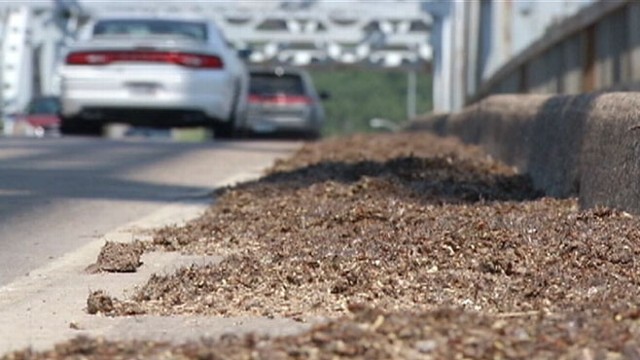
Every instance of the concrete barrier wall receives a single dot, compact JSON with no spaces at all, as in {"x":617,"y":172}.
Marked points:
{"x":571,"y":136}
{"x":572,"y":145}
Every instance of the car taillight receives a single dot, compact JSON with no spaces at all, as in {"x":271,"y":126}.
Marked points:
{"x":280,"y":99}
{"x":200,"y":61}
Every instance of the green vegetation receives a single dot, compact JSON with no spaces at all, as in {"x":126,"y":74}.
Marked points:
{"x":190,"y":134}
{"x":359,"y":95}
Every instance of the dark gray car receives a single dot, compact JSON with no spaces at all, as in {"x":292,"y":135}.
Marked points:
{"x":284,"y":100}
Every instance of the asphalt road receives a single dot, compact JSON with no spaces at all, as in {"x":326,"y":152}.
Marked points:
{"x":56,"y":194}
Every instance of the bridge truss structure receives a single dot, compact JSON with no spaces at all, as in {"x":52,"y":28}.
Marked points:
{"x":376,"y":35}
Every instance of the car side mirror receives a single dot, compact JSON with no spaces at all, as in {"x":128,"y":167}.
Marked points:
{"x":324,"y":95}
{"x":244,"y":53}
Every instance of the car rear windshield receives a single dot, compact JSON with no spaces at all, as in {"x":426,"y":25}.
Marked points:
{"x":146,"y":27}
{"x":270,"y":84}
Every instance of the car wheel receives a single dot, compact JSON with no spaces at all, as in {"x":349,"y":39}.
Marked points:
{"x":312,"y":135}
{"x":227,"y":129}
{"x":224,"y":130}
{"x":79,"y":126}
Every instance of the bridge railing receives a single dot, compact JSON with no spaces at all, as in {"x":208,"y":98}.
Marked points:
{"x":597,"y":49}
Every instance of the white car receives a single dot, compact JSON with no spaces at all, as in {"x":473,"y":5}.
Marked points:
{"x":153,"y":71}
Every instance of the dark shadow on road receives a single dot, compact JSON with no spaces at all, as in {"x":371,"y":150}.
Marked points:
{"x":278,"y":136}
{"x":34,"y":172}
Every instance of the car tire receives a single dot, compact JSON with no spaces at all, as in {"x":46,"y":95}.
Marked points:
{"x":79,"y":126}
{"x":224,"y":130}
{"x":228,"y":129}
{"x":312,"y":135}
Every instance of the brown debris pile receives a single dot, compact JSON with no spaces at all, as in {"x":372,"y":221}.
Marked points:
{"x":373,"y":334}
{"x":432,"y":227}
{"x":466,"y":260}
{"x":99,"y":302}
{"x":498,"y":257}
{"x":118,"y":257}
{"x":312,"y":239}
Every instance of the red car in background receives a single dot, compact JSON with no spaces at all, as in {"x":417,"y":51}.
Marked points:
{"x":40,"y":118}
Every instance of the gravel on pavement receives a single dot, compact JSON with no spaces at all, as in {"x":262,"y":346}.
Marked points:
{"x":410,"y":247}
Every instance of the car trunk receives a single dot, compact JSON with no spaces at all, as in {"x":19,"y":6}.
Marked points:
{"x":273,"y":95}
